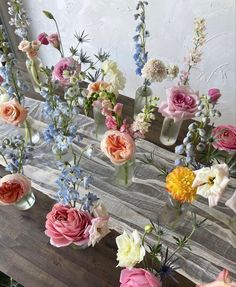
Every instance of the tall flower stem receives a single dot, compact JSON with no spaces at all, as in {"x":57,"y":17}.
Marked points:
{"x":61,"y":50}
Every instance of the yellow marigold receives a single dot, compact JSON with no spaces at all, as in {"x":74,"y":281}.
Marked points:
{"x":179,"y":184}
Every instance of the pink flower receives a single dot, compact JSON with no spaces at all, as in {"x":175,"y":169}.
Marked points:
{"x":214,"y":94}
{"x":1,"y":80}
{"x":118,"y":109}
{"x":181,"y":103}
{"x":98,"y":230}
{"x":13,"y":187}
{"x":225,"y":137}
{"x":111,"y":123}
{"x":54,"y":40}
{"x":223,"y":280}
{"x":13,"y":113}
{"x":138,"y":277}
{"x":106,"y":108}
{"x":118,"y":147}
{"x":43,"y":38}
{"x":65,"y":68}
{"x":66,"y":225}
{"x":231,"y":203}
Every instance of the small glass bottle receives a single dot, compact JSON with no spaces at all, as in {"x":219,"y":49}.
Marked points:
{"x":64,"y":155}
{"x":26,"y":202}
{"x":124,"y":173}
{"x":100,"y":125}
{"x":141,"y":98}
{"x":33,"y":66}
{"x":170,"y":131}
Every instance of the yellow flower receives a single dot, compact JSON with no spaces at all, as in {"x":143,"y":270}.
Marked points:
{"x":130,"y":249}
{"x":179,"y":184}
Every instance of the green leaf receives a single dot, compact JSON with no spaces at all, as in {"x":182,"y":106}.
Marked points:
{"x":48,"y":14}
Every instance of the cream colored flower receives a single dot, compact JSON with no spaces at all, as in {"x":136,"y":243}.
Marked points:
{"x":4,"y":97}
{"x":231,"y":203}
{"x":99,"y":210}
{"x":109,"y":66}
{"x":24,"y":46}
{"x":154,"y":71}
{"x":130,"y":249}
{"x":211,"y":182}
{"x":172,"y":71}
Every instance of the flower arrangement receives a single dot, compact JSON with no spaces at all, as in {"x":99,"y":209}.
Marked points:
{"x":77,"y":219}
{"x":155,"y":262}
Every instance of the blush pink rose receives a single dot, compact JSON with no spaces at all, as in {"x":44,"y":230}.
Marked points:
{"x":138,"y":277}
{"x":225,"y":137}
{"x":214,"y":94}
{"x":118,"y":147}
{"x":223,"y":280}
{"x":68,"y":66}
{"x":181,"y":103}
{"x":13,"y":113}
{"x":43,"y":38}
{"x":66,"y":225}
{"x":54,"y":40}
{"x":13,"y":187}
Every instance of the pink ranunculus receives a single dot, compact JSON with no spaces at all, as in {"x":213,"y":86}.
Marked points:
{"x":118,"y":147}
{"x":138,"y":277}
{"x":66,"y":225}
{"x":43,"y":38}
{"x":111,"y":123}
{"x":181,"y":103}
{"x":13,"y":113}
{"x":214,"y":94}
{"x":225,"y":137}
{"x":66,"y":66}
{"x":13,"y":187}
{"x":223,"y":280}
{"x":1,"y":79}
{"x":118,"y":109}
{"x":54,"y":40}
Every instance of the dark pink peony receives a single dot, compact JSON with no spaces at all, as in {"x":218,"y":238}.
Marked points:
{"x":43,"y":38}
{"x":225,"y":137}
{"x":214,"y":94}
{"x":181,"y":103}
{"x":66,"y":225}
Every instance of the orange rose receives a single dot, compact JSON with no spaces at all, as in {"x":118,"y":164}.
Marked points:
{"x":118,"y":147}
{"x":12,"y":112}
{"x":97,"y":87}
{"x":13,"y":187}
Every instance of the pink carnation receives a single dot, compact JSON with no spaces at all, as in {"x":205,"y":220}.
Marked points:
{"x":181,"y":103}
{"x":225,"y":137}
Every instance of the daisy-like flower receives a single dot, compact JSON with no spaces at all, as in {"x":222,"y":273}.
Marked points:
{"x":154,"y":71}
{"x":211,"y":182}
{"x":179,"y":184}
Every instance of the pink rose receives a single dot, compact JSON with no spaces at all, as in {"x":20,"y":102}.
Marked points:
{"x":111,"y":123}
{"x":223,"y":280}
{"x":138,"y":277}
{"x":181,"y":103}
{"x":214,"y":94}
{"x":54,"y":40}
{"x":64,"y":69}
{"x":1,"y":80}
{"x":66,"y":225}
{"x":13,"y":187}
{"x":43,"y":38}
{"x":13,"y":113}
{"x":225,"y":137}
{"x":118,"y":147}
{"x":118,"y":109}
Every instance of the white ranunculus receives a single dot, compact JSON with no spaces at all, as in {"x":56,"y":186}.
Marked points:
{"x":211,"y":182}
{"x":130,"y":249}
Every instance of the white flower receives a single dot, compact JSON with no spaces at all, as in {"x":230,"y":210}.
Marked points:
{"x":211,"y":182}
{"x":130,"y":249}
{"x":154,"y":71}
{"x":109,"y":66}
{"x":231,"y":203}
{"x":4,"y":97}
{"x":98,"y":230}
{"x":172,"y":71}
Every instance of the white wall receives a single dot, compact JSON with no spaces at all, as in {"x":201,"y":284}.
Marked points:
{"x":110,"y":25}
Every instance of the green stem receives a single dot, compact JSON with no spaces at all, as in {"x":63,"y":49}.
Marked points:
{"x":4,"y":158}
{"x":61,"y":50}
{"x":126,"y":167}
{"x":15,"y":86}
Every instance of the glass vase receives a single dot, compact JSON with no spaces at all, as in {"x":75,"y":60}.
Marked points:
{"x":173,"y":213}
{"x":64,"y":155}
{"x":141,"y":98}
{"x":100,"y":125}
{"x":124,"y":173}
{"x":36,"y":76}
{"x":170,"y":131}
{"x":26,"y":202}
{"x":32,"y":135}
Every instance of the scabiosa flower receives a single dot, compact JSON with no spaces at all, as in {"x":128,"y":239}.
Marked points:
{"x":154,"y":71}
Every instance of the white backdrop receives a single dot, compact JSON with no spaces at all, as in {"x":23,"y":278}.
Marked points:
{"x":111,"y":26}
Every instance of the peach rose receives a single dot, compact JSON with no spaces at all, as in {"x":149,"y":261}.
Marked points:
{"x":13,"y":187}
{"x":97,"y":87}
{"x":24,"y":46}
{"x":118,"y":147}
{"x":13,"y":113}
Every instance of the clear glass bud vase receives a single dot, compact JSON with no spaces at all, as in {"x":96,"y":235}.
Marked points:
{"x":124,"y":173}
{"x":64,"y":155}
{"x":33,"y":66}
{"x":141,"y":98}
{"x":170,"y":131}
{"x":26,"y":202}
{"x":32,"y":135}
{"x":100,"y":125}
{"x":173,"y":213}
